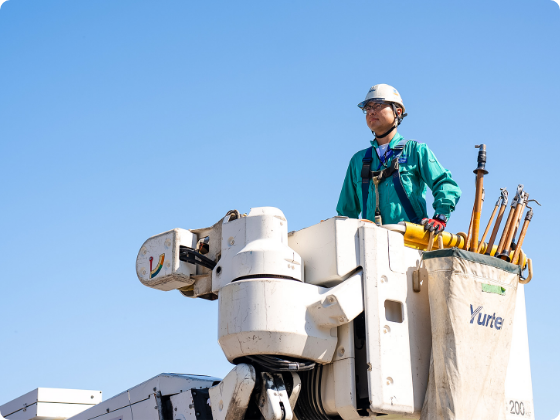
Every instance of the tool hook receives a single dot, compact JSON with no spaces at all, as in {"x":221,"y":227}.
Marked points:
{"x":529,"y":214}
{"x":503,"y":199}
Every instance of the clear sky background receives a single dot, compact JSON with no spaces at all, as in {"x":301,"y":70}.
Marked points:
{"x":121,"y":119}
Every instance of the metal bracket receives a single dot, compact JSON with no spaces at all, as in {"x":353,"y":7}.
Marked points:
{"x":419,"y":276}
{"x":202,"y":409}
{"x":230,"y":398}
{"x":273,"y":401}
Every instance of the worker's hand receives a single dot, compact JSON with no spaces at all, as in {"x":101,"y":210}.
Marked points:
{"x":436,"y":225}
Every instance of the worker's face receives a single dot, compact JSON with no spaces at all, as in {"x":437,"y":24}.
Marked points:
{"x":382,"y":118}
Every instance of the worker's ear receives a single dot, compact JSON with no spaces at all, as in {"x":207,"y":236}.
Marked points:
{"x":399,"y":111}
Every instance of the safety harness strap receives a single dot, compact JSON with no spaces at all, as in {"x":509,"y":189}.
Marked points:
{"x":366,"y":176}
{"x":405,"y":201}
{"x":392,"y":170}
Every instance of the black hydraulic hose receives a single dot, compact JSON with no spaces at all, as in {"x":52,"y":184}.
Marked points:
{"x":191,"y":256}
{"x":307,"y":407}
{"x":315,"y":392}
{"x":310,"y":413}
{"x":320,"y":402}
{"x":276,"y":364}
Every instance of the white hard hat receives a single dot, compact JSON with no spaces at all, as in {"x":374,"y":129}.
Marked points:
{"x":383,"y":93}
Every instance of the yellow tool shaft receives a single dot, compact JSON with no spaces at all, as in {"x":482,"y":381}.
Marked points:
{"x":416,"y":237}
{"x":477,"y":211}
{"x":518,"y":222}
{"x":506,"y":229}
{"x":513,"y":228}
{"x":515,"y":258}
{"x":497,"y":225}
{"x":487,"y":228}
{"x":469,"y":233}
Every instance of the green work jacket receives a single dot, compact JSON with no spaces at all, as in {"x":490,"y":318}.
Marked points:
{"x":418,"y":167}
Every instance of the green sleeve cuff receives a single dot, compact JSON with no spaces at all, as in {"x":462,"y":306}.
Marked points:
{"x":443,"y":210}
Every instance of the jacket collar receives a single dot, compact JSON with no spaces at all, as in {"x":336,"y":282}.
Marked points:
{"x":396,"y":138}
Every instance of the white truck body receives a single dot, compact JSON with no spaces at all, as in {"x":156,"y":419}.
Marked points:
{"x":337,"y":296}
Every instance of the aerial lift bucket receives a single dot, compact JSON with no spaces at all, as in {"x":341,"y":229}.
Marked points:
{"x":472,"y":304}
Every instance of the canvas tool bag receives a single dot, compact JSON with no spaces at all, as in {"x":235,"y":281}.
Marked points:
{"x":472,"y":304}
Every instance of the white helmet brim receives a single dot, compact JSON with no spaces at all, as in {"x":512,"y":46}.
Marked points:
{"x":383,"y":93}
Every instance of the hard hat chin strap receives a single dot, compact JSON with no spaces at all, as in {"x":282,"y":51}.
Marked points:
{"x":396,"y":123}
{"x":384,"y":134}
{"x":397,"y":116}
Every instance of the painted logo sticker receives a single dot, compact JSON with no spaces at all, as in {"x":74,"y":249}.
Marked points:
{"x":155,"y":271}
{"x":488,"y":320}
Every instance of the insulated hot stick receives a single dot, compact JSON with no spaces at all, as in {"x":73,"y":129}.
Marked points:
{"x":479,"y":250}
{"x":481,"y":246}
{"x":431,"y":241}
{"x":504,"y":255}
{"x":528,"y":218}
{"x":480,"y":171}
{"x":469,"y":233}
{"x":518,"y":221}
{"x":518,"y":196}
{"x":469,"y":236}
{"x":504,"y":199}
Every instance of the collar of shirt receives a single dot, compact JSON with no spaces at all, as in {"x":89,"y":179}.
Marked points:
{"x":382,"y":150}
{"x":396,"y":138}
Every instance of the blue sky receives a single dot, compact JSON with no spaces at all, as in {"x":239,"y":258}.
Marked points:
{"x":121,"y":119}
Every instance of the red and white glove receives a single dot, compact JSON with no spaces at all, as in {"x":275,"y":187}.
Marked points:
{"x":436,"y":225}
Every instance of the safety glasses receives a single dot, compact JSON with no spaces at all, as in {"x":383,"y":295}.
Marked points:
{"x":374,"y":107}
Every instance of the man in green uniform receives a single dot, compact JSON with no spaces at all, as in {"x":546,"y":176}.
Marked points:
{"x":389,"y":179}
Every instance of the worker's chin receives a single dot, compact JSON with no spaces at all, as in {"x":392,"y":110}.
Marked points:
{"x":378,"y":129}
